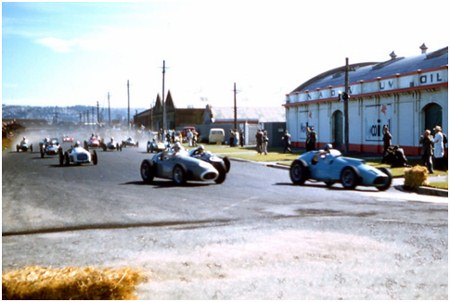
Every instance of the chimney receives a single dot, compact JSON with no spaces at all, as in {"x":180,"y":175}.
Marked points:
{"x":393,"y":55}
{"x":424,"y":48}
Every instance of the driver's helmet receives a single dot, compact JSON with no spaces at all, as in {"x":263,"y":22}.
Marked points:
{"x":77,"y":144}
{"x":24,"y":138}
{"x":201,"y":149}
{"x":177,"y":147}
{"x":112,"y":139}
{"x":328,"y":147}
{"x":92,"y":135}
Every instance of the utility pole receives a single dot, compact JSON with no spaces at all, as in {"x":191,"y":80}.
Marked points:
{"x":128,"y":91}
{"x":235,"y":107}
{"x":346,"y":98}
{"x":98,"y":112}
{"x":163,"y":100}
{"x":109,"y":112}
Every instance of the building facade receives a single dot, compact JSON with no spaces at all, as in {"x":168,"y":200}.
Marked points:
{"x":408,"y":94}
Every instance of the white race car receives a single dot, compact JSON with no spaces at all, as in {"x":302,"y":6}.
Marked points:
{"x":77,"y":155}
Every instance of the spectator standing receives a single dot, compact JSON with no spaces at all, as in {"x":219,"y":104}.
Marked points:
{"x":189,"y":136}
{"x":265,"y":142}
{"x":427,"y":150}
{"x":387,"y":139}
{"x":438,"y":148}
{"x":311,"y":139}
{"x":259,"y":140}
{"x":287,"y":142}
{"x":241,"y":137}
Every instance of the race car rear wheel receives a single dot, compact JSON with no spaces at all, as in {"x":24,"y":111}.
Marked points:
{"x":298,"y":172}
{"x":349,"y":178}
{"x":147,"y":171}
{"x":94,"y":158}
{"x":61,"y":158}
{"x":388,"y":182}
{"x":66,"y":159}
{"x":178,"y":175}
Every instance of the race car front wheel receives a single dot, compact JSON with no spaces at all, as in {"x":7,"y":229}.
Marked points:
{"x":349,"y":178}
{"x":147,"y":172}
{"x":298,"y":172}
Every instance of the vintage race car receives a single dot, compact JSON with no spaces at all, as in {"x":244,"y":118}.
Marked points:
{"x":49,"y":146}
{"x":179,"y":167}
{"x":112,"y":145}
{"x":331,"y":167}
{"x":77,"y":155}
{"x":67,"y":139}
{"x":222,"y":165}
{"x":154,"y":146}
{"x":130,"y":142}
{"x":24,"y":146}
{"x":93,"y":142}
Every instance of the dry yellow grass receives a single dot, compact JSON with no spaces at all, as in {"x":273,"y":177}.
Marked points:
{"x":416,"y":176}
{"x":70,"y":283}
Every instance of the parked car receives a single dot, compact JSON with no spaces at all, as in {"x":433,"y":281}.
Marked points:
{"x":216,"y":136}
{"x":330,"y":166}
{"x":178,"y":166}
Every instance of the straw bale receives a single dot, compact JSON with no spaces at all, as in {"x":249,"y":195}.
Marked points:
{"x":415,"y":177}
{"x":70,"y":283}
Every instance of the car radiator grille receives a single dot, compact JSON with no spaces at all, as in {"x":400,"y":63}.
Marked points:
{"x":380,"y":180}
{"x":82,"y":157}
{"x":210,"y":175}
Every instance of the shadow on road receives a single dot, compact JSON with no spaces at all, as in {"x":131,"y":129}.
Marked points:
{"x":167,"y":184}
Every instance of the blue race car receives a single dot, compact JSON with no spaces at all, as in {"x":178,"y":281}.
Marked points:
{"x":331,"y":167}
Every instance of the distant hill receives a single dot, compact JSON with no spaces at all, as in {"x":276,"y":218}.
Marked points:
{"x":73,"y":114}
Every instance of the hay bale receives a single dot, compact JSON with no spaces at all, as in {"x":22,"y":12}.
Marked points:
{"x":70,"y":283}
{"x":415,"y":177}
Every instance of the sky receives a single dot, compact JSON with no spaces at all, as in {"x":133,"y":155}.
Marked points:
{"x":75,"y":53}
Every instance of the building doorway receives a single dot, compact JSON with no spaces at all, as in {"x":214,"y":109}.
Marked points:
{"x":432,"y":114}
{"x":338,"y":129}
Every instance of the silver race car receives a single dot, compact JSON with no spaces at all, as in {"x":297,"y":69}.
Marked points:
{"x":222,"y":165}
{"x":176,"y":164}
{"x":112,"y":145}
{"x":330,"y":166}
{"x":49,"y":146}
{"x":24,"y":146}
{"x":77,"y":155}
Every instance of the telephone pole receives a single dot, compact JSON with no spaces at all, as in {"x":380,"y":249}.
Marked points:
{"x":128,"y":91}
{"x":163,"y":100}
{"x":109,"y":112}
{"x":346,"y":98}
{"x":235,"y":107}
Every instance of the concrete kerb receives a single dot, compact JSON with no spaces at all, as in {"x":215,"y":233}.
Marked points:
{"x":397,"y":182}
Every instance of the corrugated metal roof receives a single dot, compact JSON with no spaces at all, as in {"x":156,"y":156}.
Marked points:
{"x":262,"y":114}
{"x":372,"y":70}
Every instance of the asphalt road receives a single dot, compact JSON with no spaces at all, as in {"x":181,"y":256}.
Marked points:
{"x":256,"y":236}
